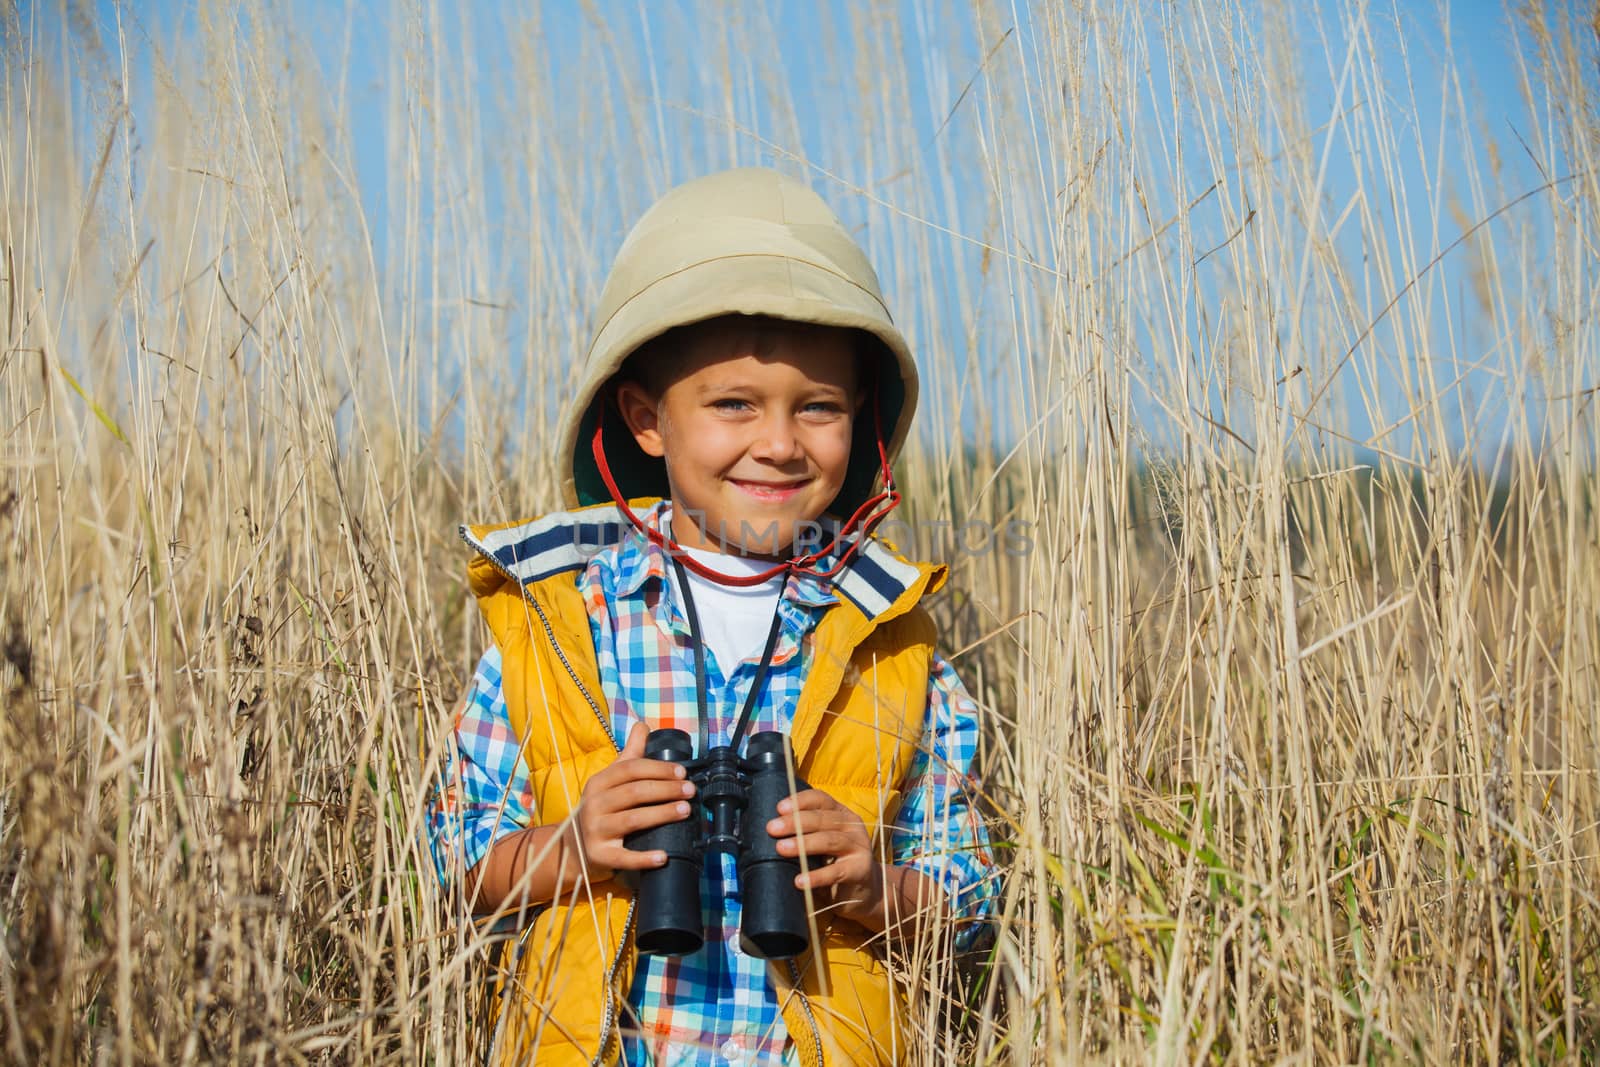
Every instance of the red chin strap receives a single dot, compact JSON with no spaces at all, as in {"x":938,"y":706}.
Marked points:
{"x":865,"y":518}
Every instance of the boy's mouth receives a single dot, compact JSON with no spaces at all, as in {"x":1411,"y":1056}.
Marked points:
{"x":770,"y":491}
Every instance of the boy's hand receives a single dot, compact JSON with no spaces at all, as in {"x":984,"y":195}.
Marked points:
{"x":632,"y":794}
{"x":865,"y":891}
{"x":852,"y":878}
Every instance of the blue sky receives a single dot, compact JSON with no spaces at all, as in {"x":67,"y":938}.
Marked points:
{"x":360,"y":48}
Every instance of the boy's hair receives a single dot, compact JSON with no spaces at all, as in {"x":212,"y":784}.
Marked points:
{"x":659,"y":362}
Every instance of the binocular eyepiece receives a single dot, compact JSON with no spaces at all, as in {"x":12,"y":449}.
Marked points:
{"x":735,"y":800}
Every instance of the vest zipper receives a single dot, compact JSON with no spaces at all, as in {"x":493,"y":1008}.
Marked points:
{"x":805,"y":1006}
{"x":609,"y":1020}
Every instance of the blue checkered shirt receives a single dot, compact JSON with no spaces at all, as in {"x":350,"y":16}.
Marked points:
{"x":717,"y":1005}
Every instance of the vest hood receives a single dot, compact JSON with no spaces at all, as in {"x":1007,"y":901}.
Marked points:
{"x":741,"y":242}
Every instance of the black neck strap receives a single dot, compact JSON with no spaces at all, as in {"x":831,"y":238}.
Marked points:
{"x":700,"y":664}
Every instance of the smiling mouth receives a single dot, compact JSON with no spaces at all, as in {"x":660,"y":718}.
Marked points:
{"x":770,"y":490}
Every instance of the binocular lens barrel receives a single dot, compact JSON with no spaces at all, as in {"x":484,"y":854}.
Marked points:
{"x":668,"y":920}
{"x":774,"y":924}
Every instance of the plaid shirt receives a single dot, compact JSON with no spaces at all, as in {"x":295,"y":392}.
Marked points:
{"x":715,"y":1006}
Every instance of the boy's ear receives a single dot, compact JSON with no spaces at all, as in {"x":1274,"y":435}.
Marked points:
{"x":640,"y":411}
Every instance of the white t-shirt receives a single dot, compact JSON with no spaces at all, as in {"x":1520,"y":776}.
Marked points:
{"x":734,"y":620}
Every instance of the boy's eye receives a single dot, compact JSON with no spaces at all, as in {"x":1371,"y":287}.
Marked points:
{"x":814,"y":407}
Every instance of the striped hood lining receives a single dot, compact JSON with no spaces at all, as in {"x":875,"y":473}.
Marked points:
{"x":564,"y":541}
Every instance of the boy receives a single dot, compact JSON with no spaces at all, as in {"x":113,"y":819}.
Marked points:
{"x":733,"y":412}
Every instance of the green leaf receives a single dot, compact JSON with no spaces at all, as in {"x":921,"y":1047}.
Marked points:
{"x":99,"y":412}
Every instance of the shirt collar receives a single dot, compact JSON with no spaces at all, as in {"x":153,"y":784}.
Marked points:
{"x":640,"y":559}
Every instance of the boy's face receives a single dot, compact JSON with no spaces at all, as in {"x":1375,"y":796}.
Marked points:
{"x":756,"y":443}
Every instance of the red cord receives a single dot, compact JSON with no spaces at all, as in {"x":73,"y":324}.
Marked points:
{"x":863,"y":518}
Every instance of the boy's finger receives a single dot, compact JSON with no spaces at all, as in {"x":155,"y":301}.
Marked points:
{"x":820,"y":844}
{"x":602,"y":792}
{"x":619,"y":858}
{"x":808,"y":800}
{"x":821,"y":877}
{"x":623,"y":771}
{"x":633,"y":747}
{"x":647,"y":818}
{"x":653,"y":787}
{"x":809,"y":822}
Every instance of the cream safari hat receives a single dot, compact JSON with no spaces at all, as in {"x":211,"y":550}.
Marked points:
{"x":746,"y":242}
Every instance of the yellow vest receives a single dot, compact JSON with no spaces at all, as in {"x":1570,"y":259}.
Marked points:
{"x":856,"y":727}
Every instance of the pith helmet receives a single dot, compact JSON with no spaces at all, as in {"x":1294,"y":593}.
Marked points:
{"x":745,"y":242}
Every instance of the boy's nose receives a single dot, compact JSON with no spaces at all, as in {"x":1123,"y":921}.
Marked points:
{"x":777,"y":442}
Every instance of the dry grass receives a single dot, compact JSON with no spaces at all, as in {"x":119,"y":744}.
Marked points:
{"x":1292,"y":731}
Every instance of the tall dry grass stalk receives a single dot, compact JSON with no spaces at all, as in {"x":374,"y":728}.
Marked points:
{"x":1291,"y":713}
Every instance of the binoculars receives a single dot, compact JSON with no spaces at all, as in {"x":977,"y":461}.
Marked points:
{"x":735,"y":800}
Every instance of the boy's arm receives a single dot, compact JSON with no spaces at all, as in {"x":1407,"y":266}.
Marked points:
{"x":484,"y":795}
{"x":481,"y":822}
{"x":938,"y":833}
{"x":525,"y":869}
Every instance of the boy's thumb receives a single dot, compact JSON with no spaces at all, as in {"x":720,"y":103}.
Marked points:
{"x":633,"y":748}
